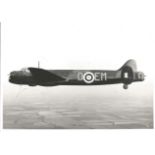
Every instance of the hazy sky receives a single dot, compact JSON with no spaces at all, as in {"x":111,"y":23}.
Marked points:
{"x":99,"y":37}
{"x":71,"y":37}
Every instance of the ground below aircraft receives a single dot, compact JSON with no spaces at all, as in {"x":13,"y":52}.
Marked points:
{"x":37,"y":76}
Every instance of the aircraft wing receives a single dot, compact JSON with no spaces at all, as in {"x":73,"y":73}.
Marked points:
{"x":41,"y":75}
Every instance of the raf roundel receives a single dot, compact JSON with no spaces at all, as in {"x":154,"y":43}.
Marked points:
{"x":88,"y":77}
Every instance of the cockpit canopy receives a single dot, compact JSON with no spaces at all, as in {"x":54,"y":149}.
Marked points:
{"x":26,"y":70}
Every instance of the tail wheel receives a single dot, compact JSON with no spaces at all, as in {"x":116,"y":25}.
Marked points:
{"x":125,"y":86}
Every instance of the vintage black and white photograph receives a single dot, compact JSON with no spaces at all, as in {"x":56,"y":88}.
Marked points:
{"x":78,"y":70}
{"x":77,"y":77}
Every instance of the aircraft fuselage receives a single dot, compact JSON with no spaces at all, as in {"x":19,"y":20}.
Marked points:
{"x":37,"y":76}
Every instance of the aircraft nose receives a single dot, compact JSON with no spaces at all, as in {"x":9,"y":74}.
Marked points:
{"x":12,"y":76}
{"x":13,"y":73}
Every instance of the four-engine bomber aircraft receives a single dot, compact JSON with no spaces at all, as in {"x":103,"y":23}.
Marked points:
{"x":36,"y":76}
